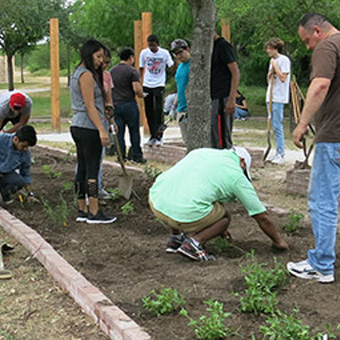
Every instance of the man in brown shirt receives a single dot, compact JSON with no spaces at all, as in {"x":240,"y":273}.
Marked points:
{"x":322,"y":104}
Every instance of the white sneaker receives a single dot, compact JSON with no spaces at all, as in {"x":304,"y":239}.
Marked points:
{"x":151,"y":142}
{"x":271,"y":157}
{"x":103,"y":195}
{"x":159,"y":142}
{"x":279,"y":160}
{"x":304,"y":270}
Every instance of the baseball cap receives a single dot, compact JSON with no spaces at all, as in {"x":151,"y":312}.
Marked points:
{"x":17,"y":100}
{"x":243,"y":153}
{"x":178,"y":44}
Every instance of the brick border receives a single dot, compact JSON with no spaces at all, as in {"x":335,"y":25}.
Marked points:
{"x":113,"y":321}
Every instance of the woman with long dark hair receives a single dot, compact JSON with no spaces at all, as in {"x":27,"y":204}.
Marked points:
{"x":87,"y":129}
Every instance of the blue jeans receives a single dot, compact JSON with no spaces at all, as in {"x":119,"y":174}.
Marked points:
{"x":277,"y":124}
{"x":240,"y":113}
{"x":128,"y":114}
{"x":323,"y":195}
{"x":10,"y":183}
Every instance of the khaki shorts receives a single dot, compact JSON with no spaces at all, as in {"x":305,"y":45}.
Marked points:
{"x":215,"y":215}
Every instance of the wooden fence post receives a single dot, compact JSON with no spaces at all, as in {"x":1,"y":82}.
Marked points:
{"x":55,"y":82}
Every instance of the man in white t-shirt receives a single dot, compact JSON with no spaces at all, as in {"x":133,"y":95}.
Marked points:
{"x":279,"y":67}
{"x":154,"y":61}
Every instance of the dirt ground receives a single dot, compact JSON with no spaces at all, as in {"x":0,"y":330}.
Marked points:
{"x":127,"y":259}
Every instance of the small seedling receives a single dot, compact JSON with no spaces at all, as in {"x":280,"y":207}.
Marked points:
{"x":49,"y":172}
{"x":222,"y":245}
{"x":68,"y":186}
{"x":165,"y":302}
{"x":293,"y":222}
{"x":210,"y":327}
{"x":58,"y":213}
{"x":260,"y":295}
{"x":152,"y":172}
{"x":128,"y":208}
{"x":115,"y":194}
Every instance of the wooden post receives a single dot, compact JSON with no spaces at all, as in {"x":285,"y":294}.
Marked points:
{"x":225,"y":29}
{"x":138,"y":49}
{"x":55,"y":82}
{"x":146,"y":30}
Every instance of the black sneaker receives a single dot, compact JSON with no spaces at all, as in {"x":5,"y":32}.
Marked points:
{"x":138,"y":160}
{"x":174,"y":242}
{"x":82,"y":216}
{"x":99,"y":218}
{"x":197,"y":253}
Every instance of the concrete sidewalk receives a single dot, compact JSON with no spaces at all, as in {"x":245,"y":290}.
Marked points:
{"x":171,"y":135}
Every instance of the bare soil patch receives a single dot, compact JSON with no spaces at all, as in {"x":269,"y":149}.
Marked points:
{"x":127,"y":259}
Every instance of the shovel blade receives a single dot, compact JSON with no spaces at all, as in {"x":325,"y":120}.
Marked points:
{"x":125,"y":185}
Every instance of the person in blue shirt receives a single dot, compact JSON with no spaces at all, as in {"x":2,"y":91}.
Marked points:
{"x":181,"y":50}
{"x":15,"y":162}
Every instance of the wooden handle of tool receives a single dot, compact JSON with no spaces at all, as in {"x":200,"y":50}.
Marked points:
{"x":270,"y":106}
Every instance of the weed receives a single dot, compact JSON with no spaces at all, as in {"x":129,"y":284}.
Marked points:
{"x":293,"y":222}
{"x":128,"y":208}
{"x":58,"y":213}
{"x":222,"y":245}
{"x":210,"y":327}
{"x":49,"y":172}
{"x":260,"y":295}
{"x":152,"y":172}
{"x":68,"y":186}
{"x":165,"y":302}
{"x":115,"y":194}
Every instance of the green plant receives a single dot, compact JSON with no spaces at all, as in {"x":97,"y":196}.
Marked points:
{"x":115,"y":193}
{"x":128,"y":208}
{"x":210,"y":327}
{"x":152,"y":172}
{"x":164,"y":302}
{"x":293,"y":222}
{"x":58,"y":213}
{"x":221,"y":244}
{"x":260,"y":295}
{"x":68,"y":186}
{"x":49,"y":172}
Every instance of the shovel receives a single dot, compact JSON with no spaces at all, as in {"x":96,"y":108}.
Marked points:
{"x":125,"y":181}
{"x":270,"y":106}
{"x":4,"y":273}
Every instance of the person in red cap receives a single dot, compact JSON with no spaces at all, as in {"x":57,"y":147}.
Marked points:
{"x":15,"y":107}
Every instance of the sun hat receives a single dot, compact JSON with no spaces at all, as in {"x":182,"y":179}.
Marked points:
{"x":244,"y":154}
{"x":178,"y":44}
{"x":17,"y":100}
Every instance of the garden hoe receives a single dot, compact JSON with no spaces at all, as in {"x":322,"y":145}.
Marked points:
{"x":269,"y":117}
{"x":4,"y":273}
{"x":125,"y":181}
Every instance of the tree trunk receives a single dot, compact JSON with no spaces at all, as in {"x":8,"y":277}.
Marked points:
{"x":10,"y":72}
{"x":198,"y":92}
{"x":22,"y":68}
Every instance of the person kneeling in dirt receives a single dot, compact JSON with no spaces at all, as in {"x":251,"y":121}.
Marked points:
{"x":189,"y":198}
{"x":15,"y":162}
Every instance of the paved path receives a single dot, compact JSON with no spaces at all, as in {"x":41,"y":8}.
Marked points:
{"x":172,"y":134}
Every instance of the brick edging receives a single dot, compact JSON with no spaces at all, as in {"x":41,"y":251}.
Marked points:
{"x":113,"y":321}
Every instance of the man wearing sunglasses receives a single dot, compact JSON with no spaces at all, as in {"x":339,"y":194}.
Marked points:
{"x":15,"y":107}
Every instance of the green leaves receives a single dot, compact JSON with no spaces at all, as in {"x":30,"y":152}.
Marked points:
{"x":164,"y":302}
{"x":293,"y":222}
{"x":210,"y":327}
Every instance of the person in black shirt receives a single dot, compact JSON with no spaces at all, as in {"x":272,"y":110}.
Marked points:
{"x":224,"y":81}
{"x":241,"y":107}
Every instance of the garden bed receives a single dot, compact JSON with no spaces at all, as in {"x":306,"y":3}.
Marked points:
{"x":127,"y":259}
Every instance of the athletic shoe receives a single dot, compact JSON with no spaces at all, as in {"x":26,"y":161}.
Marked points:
{"x":174,"y":242}
{"x":304,"y":270}
{"x":159,"y":142}
{"x":6,"y":199}
{"x":195,"y":252}
{"x":279,"y":160}
{"x":82,"y":216}
{"x":271,"y":158}
{"x":103,"y":195}
{"x":99,"y":218}
{"x":138,"y":160}
{"x":151,"y":142}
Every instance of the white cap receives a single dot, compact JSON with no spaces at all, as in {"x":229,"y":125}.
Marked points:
{"x":244,"y":154}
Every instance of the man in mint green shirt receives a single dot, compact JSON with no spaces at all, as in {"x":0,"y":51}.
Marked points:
{"x":189,"y":198}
